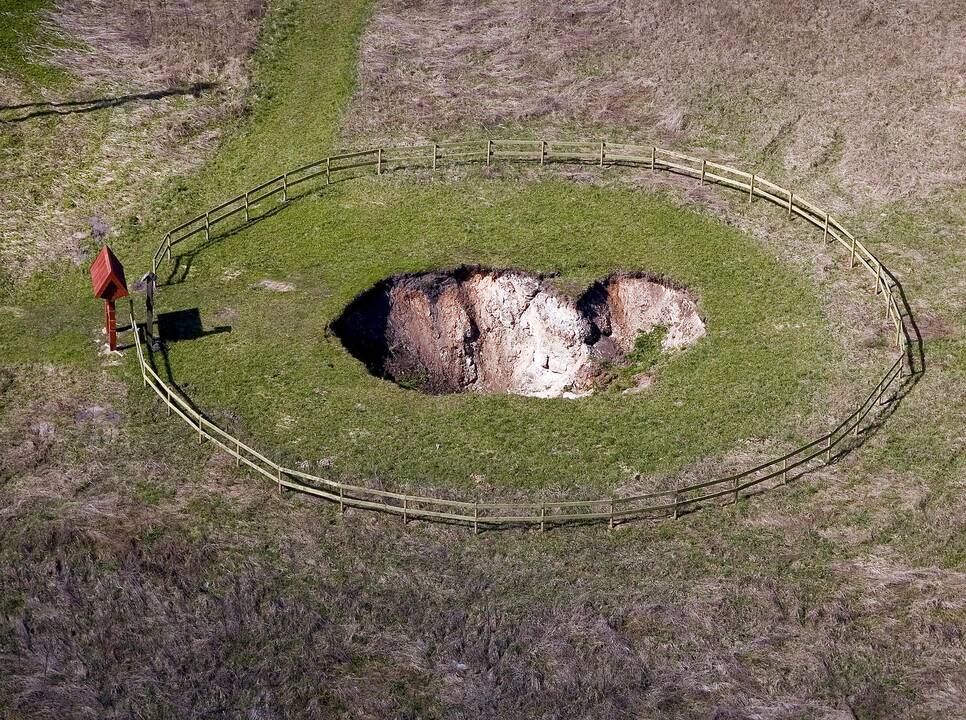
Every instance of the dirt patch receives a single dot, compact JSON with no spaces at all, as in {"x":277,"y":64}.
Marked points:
{"x":275,"y":286}
{"x":474,"y":329}
{"x":934,"y":327}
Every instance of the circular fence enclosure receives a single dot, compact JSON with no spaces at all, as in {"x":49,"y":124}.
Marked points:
{"x":259,"y":200}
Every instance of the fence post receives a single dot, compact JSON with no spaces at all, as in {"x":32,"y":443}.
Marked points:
{"x":790,"y":194}
{"x":279,"y":479}
{"x":405,"y":511}
{"x":137,"y":342}
{"x":677,"y":496}
{"x":610,"y":522}
{"x":237,"y":452}
{"x":543,"y":516}
{"x":785,"y":471}
{"x":602,"y":153}
{"x":828,"y":451}
{"x":341,"y":500}
{"x":852,"y":255}
{"x":328,"y":166}
{"x":379,"y":161}
{"x":878,"y":271}
{"x":435,"y":149}
{"x":543,"y":151}
{"x":751,"y":189}
{"x":207,"y":226}
{"x":285,"y":187}
{"x":489,"y":150}
{"x":476,"y":517}
{"x":169,"y":247}
{"x":200,"y":433}
{"x":653,"y":156}
{"x":704,"y":164}
{"x":826,"y":228}
{"x":734,"y":484}
{"x":168,"y":407}
{"x":247,"y":216}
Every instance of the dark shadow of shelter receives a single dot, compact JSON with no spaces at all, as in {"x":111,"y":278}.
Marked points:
{"x":180,"y":326}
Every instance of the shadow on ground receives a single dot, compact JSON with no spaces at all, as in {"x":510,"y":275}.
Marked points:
{"x":29,"y":111}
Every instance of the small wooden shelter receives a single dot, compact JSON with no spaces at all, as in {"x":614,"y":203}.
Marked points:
{"x":107,"y":279}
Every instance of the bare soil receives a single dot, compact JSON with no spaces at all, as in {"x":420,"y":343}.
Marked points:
{"x":475,"y":329}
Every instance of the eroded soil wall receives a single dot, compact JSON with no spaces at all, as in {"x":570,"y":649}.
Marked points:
{"x":475,"y":329}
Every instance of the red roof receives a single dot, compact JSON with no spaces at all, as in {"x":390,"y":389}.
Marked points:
{"x":107,"y":276}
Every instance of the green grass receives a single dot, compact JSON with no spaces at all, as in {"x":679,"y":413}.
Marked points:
{"x":279,"y":379}
{"x":161,"y":540}
{"x":304,"y":73}
{"x":26,"y":42}
{"x":643,"y":357}
{"x":647,"y":349}
{"x":270,"y":371}
{"x":293,"y":387}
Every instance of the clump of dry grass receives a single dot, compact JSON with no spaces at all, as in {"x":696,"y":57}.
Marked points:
{"x":872,"y":95}
{"x":169,"y":42}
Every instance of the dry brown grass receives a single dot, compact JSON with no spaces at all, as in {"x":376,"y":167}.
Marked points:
{"x":144,"y":577}
{"x":872,"y":94}
{"x":159,"y":42}
{"x":62,"y":170}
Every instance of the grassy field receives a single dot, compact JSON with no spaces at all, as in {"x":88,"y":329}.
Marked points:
{"x":292,"y":385}
{"x":26,"y":41}
{"x":144,"y":576}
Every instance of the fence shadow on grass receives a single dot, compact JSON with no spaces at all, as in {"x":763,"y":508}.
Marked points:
{"x":182,"y":260}
{"x":180,"y":326}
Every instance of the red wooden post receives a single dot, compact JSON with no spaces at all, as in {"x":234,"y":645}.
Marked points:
{"x":110,"y":323}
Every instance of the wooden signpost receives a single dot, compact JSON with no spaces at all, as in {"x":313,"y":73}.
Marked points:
{"x":107,"y":279}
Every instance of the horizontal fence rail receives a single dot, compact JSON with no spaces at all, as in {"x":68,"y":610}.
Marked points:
{"x":670,"y":503}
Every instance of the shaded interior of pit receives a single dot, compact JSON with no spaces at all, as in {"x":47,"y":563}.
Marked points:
{"x":484,"y":330}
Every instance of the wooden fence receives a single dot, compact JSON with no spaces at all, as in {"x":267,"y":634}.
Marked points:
{"x":613,"y":510}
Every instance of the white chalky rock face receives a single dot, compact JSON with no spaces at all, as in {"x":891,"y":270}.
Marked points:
{"x":638,"y":305}
{"x":535,"y":340}
{"x":500,"y":331}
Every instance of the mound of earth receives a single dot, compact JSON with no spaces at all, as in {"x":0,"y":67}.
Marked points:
{"x":474,"y":329}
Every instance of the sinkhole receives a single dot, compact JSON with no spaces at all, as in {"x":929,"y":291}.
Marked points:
{"x":484,"y":330}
